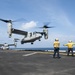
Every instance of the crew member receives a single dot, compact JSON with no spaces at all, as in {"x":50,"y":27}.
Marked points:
{"x":70,"y":47}
{"x":56,"y":48}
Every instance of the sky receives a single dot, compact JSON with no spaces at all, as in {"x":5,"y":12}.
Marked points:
{"x":34,"y":13}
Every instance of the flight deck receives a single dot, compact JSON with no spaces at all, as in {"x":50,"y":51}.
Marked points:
{"x":35,"y":63}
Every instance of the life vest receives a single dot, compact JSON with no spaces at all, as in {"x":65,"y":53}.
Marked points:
{"x":70,"y":45}
{"x":56,"y":44}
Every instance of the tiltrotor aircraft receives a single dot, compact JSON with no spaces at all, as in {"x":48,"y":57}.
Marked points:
{"x":29,"y":37}
{"x":5,"y":46}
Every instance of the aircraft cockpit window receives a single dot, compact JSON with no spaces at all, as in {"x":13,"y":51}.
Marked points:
{"x":30,"y":34}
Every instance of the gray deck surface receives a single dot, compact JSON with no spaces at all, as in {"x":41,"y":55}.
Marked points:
{"x":35,"y":63}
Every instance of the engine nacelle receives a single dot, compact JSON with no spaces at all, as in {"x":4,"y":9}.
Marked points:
{"x":10,"y":29}
{"x":45,"y":30}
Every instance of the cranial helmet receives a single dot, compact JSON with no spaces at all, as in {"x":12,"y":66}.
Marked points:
{"x":56,"y":39}
{"x":70,"y":41}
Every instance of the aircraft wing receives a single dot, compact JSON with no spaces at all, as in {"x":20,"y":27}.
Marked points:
{"x":1,"y":44}
{"x":11,"y":44}
{"x":40,"y":33}
{"x":16,"y":31}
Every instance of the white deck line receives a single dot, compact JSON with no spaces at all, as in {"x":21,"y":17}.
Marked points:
{"x":30,"y":54}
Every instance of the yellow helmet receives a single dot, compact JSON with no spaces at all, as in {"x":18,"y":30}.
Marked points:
{"x":56,"y":39}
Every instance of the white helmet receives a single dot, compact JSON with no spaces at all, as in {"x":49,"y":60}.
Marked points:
{"x":70,"y":41}
{"x":56,"y":39}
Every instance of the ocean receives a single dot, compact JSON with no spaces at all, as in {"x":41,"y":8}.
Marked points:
{"x":41,"y":49}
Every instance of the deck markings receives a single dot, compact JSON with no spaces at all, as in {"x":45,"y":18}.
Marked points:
{"x":30,"y":54}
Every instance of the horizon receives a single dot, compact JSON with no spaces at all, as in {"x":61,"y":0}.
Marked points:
{"x":60,"y":14}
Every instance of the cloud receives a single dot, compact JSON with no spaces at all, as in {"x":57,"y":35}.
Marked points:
{"x":29,"y":25}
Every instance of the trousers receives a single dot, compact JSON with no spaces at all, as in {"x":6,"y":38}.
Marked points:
{"x":70,"y":49}
{"x":56,"y":50}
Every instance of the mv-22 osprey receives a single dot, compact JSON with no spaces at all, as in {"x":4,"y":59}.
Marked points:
{"x":5,"y":46}
{"x":28,"y":37}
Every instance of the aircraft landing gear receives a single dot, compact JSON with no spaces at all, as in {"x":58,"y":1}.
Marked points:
{"x":31,"y":42}
{"x":22,"y":42}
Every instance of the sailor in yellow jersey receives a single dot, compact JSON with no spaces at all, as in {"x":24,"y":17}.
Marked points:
{"x":70,"y":47}
{"x":56,"y":48}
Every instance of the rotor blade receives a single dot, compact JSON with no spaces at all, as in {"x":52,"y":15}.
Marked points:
{"x":5,"y":20}
{"x":21,"y":19}
{"x":45,"y":26}
{"x":48,"y":27}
